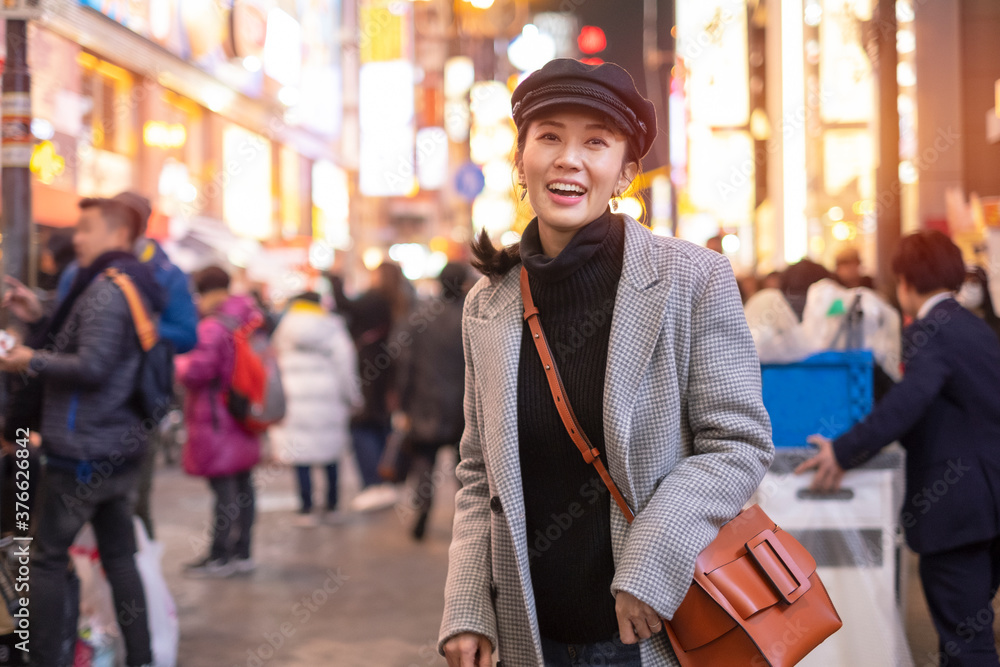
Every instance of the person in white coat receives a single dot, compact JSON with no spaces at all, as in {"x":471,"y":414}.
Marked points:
{"x":319,"y":371}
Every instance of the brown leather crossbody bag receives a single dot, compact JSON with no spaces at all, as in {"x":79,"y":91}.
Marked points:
{"x":755,"y":600}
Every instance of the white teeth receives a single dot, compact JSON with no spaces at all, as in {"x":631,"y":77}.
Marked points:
{"x":566,"y":187}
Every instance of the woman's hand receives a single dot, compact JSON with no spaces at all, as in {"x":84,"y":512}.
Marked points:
{"x":636,"y":619}
{"x":469,"y":650}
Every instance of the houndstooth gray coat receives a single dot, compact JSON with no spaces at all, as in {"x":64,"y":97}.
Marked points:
{"x":687,"y":437}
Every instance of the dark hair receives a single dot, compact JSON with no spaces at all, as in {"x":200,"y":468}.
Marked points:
{"x":929,"y":261}
{"x":491,"y":261}
{"x":495,"y":262}
{"x":453,"y":277}
{"x":115,"y":214}
{"x":60,"y":245}
{"x":210,"y":279}
{"x":848,"y":255}
{"x":395,"y":288}
{"x":796,"y":280}
{"x":311,"y":297}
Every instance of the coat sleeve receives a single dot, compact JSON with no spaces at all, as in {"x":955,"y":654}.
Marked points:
{"x":344,"y":358}
{"x":732,"y":449}
{"x":898,"y":411}
{"x":105,"y":322}
{"x":468,"y":605}
{"x":203,"y":364}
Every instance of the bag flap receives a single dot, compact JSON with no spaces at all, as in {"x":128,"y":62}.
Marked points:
{"x":751,"y":584}
{"x":699,"y":620}
{"x":731,"y":541}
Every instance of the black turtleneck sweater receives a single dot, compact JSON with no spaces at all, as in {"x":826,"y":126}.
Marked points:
{"x":567,"y":507}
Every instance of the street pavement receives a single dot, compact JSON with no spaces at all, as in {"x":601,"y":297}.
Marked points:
{"x":358,"y":592}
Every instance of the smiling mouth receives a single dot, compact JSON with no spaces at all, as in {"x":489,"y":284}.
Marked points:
{"x":567,"y":190}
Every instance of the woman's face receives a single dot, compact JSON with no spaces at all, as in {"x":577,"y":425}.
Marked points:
{"x":572,"y":164}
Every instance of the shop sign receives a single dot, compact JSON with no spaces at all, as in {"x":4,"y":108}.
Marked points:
{"x":283,"y":48}
{"x":164,"y":135}
{"x":103,"y":173}
{"x":46,"y":163}
{"x":245,"y":180}
{"x":158,"y":134}
{"x":55,"y":81}
{"x":469,"y":181}
{"x":432,"y":158}
{"x":388,"y":135}
{"x":385,"y":31}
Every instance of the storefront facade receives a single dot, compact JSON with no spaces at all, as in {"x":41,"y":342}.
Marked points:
{"x":194,"y":105}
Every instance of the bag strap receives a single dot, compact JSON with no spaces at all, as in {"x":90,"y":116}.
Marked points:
{"x":569,"y":420}
{"x":144,"y":326}
{"x":233,"y":325}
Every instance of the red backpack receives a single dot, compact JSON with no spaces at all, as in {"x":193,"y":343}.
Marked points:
{"x":256,"y":398}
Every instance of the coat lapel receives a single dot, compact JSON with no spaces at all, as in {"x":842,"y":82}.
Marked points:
{"x":635,"y":328}
{"x":496,"y":352}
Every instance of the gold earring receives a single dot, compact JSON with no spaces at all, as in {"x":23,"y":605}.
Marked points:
{"x":524,"y":190}
{"x":614,"y":203}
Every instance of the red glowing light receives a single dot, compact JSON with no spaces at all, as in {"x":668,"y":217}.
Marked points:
{"x":592,"y":61}
{"x":591,"y":39}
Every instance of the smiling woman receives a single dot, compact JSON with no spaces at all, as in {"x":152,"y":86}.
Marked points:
{"x":572,"y":162}
{"x":543,"y":566}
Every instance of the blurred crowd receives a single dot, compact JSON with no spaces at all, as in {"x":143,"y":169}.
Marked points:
{"x":796,"y":279}
{"x":119,"y":360}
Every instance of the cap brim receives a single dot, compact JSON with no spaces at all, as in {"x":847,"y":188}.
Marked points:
{"x":547,"y":103}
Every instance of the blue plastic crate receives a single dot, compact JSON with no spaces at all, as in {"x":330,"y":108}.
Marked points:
{"x":825,"y":394}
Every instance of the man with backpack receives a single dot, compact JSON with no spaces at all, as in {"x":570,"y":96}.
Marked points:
{"x":89,"y":361}
{"x":177,"y":326}
{"x":220,"y":446}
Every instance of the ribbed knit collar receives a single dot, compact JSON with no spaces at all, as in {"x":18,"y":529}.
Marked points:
{"x":581,"y":249}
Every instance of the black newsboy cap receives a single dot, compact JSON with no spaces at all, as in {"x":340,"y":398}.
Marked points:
{"x":605,"y":87}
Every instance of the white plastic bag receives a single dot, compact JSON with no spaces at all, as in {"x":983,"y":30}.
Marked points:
{"x":827,"y":306}
{"x":97,"y":625}
{"x":775,"y":328}
{"x":164,"y":628}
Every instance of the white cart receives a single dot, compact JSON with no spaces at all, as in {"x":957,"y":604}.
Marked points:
{"x":856,"y":540}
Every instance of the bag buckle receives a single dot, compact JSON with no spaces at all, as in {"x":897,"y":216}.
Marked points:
{"x":778,"y":565}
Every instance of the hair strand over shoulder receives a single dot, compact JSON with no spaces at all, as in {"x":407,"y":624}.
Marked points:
{"x":491,"y":261}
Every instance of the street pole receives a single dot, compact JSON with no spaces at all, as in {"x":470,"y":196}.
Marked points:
{"x":15,"y":156}
{"x":887,"y":200}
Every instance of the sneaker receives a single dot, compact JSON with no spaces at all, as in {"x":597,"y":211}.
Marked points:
{"x":377,"y":497}
{"x":244,"y":565}
{"x":306,"y":520}
{"x":207,"y":567}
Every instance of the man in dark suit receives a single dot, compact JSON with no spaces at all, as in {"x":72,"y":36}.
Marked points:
{"x":946,"y":414}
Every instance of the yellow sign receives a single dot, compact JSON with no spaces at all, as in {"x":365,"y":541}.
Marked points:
{"x":158,"y":134}
{"x":385,"y":31}
{"x":46,"y":163}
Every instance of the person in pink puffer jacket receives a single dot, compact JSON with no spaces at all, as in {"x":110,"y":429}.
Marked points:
{"x":217,"y":446}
